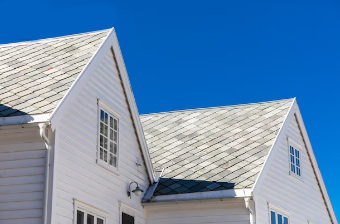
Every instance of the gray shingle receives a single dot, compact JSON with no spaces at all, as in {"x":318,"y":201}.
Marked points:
{"x":33,"y":71}
{"x":213,"y":148}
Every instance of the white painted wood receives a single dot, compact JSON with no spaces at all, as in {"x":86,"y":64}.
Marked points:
{"x":22,"y":160}
{"x":77,"y":174}
{"x":227,"y":212}
{"x":115,"y":85}
{"x":301,"y":197}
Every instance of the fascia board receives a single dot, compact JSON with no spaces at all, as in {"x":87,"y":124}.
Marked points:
{"x":24,"y":119}
{"x":209,"y":195}
{"x":271,"y":154}
{"x":133,"y":107}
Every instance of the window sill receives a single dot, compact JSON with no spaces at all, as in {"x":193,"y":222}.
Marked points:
{"x":296,"y":177}
{"x":108,"y":167}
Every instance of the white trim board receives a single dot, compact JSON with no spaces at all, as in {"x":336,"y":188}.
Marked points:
{"x":220,"y":195}
{"x":24,"y":119}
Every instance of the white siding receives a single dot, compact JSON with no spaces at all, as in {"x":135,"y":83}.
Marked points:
{"x":301,"y":197}
{"x":22,"y":160}
{"x":77,"y":173}
{"x":227,"y":212}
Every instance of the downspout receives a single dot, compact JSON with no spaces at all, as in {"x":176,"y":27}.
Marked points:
{"x":43,"y":135}
{"x":250,"y":205}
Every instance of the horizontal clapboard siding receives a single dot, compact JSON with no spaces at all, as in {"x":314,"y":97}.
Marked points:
{"x":21,"y":176}
{"x":227,"y":212}
{"x":302,"y":198}
{"x":77,"y":173}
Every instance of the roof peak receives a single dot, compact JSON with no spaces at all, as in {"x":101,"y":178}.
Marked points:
{"x":52,"y":38}
{"x":218,"y":107}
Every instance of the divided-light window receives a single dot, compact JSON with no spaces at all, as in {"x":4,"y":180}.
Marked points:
{"x":295,"y":158}
{"x":83,"y":217}
{"x":108,"y":138}
{"x":277,"y":218}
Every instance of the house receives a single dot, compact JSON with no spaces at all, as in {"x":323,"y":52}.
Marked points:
{"x":74,"y":150}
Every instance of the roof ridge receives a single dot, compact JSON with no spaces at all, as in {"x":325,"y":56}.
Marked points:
{"x":51,"y":39}
{"x":218,"y":107}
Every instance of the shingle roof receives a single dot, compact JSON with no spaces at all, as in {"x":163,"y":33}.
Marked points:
{"x":34,"y":76}
{"x":213,"y":148}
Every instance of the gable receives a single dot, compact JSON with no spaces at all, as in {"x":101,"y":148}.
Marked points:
{"x":214,"y":148}
{"x":304,"y":196}
{"x":35,"y":76}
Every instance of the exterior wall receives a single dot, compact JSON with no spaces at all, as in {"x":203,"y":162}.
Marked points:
{"x":22,"y":160}
{"x":302,"y":198}
{"x":213,"y":212}
{"x":77,"y":174}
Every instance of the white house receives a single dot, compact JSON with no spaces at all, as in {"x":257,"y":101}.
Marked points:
{"x":74,"y":150}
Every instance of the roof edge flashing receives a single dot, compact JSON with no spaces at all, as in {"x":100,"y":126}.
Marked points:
{"x":231,"y":193}
{"x":24,"y":119}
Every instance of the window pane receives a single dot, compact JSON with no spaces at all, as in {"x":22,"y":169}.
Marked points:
{"x":297,"y":153}
{"x":90,"y":219}
{"x":105,"y":143}
{"x":101,"y":141}
{"x":111,"y":122}
{"x":115,"y":136}
{"x":101,"y":154}
{"x":111,"y":134}
{"x":106,"y":118}
{"x":105,"y":130}
{"x":115,"y":149}
{"x":279,"y":219}
{"x":285,"y":220}
{"x":80,"y":217}
{"x":102,"y":115}
{"x":111,"y":146}
{"x":111,"y":159}
{"x":116,"y":125}
{"x":100,"y":221}
{"x":114,"y":163}
{"x":105,"y":155}
{"x":127,"y":219}
{"x":272,"y":218}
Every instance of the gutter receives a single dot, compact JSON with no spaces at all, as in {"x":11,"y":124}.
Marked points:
{"x":24,"y":119}
{"x":199,"y":196}
{"x":43,"y":135}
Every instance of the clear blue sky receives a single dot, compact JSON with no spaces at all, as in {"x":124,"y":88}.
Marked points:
{"x":193,"y":53}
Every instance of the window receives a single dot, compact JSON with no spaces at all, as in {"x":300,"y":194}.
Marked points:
{"x":87,"y":214}
{"x":295,"y":158}
{"x":108,"y":138}
{"x":278,"y":215}
{"x":84,"y":217}
{"x":127,"y":219}
{"x":128,"y":214}
{"x":276,"y":218}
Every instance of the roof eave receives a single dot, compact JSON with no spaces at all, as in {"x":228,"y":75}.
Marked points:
{"x":209,"y":195}
{"x":24,"y":119}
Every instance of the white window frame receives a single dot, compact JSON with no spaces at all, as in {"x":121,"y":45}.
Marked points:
{"x":277,"y":210}
{"x":106,"y":108}
{"x":88,"y":209}
{"x":296,"y":147}
{"x":127,"y":209}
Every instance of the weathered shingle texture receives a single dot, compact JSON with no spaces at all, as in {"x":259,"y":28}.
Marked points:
{"x":35,"y":76}
{"x":214,"y":148}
